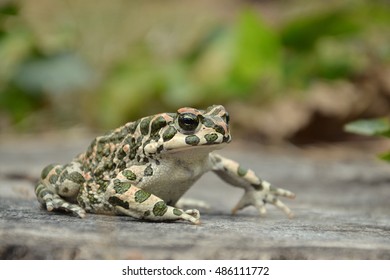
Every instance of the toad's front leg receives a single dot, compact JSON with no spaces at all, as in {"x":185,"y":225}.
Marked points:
{"x":128,"y":199}
{"x":257,"y":191}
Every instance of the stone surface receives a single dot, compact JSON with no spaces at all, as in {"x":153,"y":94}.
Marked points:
{"x":341,"y":211}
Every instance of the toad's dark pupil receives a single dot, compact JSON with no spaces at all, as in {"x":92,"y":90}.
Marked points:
{"x":188,"y":121}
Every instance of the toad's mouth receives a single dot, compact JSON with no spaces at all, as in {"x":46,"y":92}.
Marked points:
{"x":199,"y":149}
{"x":194,"y":142}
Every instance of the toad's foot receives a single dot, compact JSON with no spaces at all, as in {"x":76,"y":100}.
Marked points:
{"x":267,"y":195}
{"x":54,"y":202}
{"x":192,"y":215}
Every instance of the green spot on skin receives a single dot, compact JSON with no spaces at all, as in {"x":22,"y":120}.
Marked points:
{"x":92,"y":199}
{"x":116,"y":181}
{"x":58,"y":170}
{"x":192,"y":140}
{"x":160,"y":208}
{"x":144,"y":126}
{"x":106,"y":152}
{"x":122,"y":165}
{"x":39,"y":187}
{"x":53,"y":179}
{"x":129,"y":140}
{"x":242,"y":171}
{"x":118,"y":202}
{"x":169,"y":133}
{"x":46,"y":171}
{"x":210,"y":138}
{"x":102,"y":185}
{"x":141,"y":195}
{"x":76,"y":177}
{"x":45,"y":192}
{"x":157,"y":124}
{"x":63,"y":176}
{"x":99,"y":171}
{"x":177,"y":212}
{"x":147,"y":213}
{"x":100,"y":148}
{"x":121,"y":187}
{"x":98,"y":158}
{"x":129,"y":175}
{"x":41,"y":191}
{"x":133,"y":152}
{"x":121,"y":154}
{"x":219,"y":129}
{"x":148,"y":171}
{"x":134,"y":145}
{"x":132,"y":127}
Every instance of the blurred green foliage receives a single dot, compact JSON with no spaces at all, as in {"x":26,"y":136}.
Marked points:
{"x":245,"y":58}
{"x":371,"y":127}
{"x":29,"y":75}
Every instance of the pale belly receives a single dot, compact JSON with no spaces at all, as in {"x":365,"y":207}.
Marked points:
{"x":171,"y":181}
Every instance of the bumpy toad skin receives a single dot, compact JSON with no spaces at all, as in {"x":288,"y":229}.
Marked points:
{"x":142,"y":169}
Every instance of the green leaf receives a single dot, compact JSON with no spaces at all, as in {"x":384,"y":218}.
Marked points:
{"x":11,"y":9}
{"x":256,"y":54}
{"x":370,"y":127}
{"x":385,"y":156}
{"x":303,"y":33}
{"x":240,"y":58}
{"x":257,"y":45}
{"x":57,"y":73}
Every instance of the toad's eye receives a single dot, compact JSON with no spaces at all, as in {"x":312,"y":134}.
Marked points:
{"x":188,"y":122}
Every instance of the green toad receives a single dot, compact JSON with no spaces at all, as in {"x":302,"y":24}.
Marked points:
{"x":143,"y":168}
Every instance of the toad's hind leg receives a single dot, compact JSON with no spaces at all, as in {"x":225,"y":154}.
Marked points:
{"x":58,"y":187}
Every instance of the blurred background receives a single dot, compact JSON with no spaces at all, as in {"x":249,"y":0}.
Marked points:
{"x":291,"y":74}
{"x":288,"y":71}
